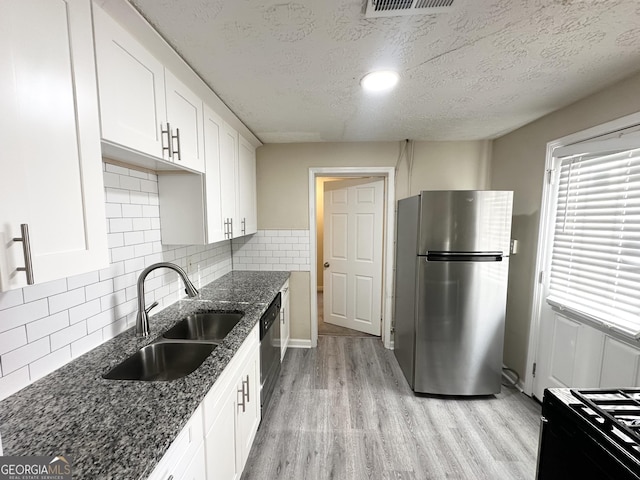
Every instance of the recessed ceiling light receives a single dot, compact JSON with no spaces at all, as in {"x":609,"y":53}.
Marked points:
{"x":380,"y":81}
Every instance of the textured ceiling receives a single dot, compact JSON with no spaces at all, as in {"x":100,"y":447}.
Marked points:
{"x":291,"y":70}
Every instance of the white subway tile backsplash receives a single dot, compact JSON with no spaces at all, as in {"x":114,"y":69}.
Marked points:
{"x":65,"y":318}
{"x":43,"y":290}
{"x":12,"y":382}
{"x":22,"y":314}
{"x":129,"y":183}
{"x":133,"y":238}
{"x":82,"y":280}
{"x":49,"y":363}
{"x":84,"y":344}
{"x":10,"y":299}
{"x":46,"y":326}
{"x":64,"y":301}
{"x":84,"y":311}
{"x":99,"y":289}
{"x":139,"y":198}
{"x":273,"y":250}
{"x":68,"y":335}
{"x":12,"y":339}
{"x":131,"y":211}
{"x":109,"y":167}
{"x":117,"y":225}
{"x":23,"y":356}
{"x":117,"y":195}
{"x":119,"y":254}
{"x":101,"y":320}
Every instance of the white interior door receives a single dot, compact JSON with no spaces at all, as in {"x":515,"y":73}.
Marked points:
{"x":353,"y":225}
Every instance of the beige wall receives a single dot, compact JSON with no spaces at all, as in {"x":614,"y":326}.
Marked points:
{"x":518,"y":164}
{"x":283,"y":186}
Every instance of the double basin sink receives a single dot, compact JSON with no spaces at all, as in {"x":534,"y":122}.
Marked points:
{"x":181,"y":350}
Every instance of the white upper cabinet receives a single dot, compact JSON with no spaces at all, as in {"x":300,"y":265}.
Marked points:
{"x":229,"y":180}
{"x":184,"y":117}
{"x":247,"y":207}
{"x":132,"y":90}
{"x":49,"y":130}
{"x":144,"y":107}
{"x":213,"y":128}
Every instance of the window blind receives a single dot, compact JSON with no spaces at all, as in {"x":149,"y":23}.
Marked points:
{"x":595,"y":263}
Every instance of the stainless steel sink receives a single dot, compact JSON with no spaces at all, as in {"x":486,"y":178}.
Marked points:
{"x":161,"y":361}
{"x":208,"y":326}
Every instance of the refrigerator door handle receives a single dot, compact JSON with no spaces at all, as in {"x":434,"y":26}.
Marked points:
{"x":464,"y":256}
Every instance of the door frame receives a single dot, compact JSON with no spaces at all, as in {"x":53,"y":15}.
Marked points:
{"x":543,"y":248}
{"x":388,"y":256}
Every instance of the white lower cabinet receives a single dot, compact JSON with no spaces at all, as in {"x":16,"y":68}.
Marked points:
{"x":232,"y":413}
{"x":215,"y":442}
{"x":182,"y":460}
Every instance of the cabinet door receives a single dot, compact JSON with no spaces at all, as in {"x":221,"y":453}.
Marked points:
{"x":49,"y":130}
{"x":249,"y":415}
{"x":196,"y":469}
{"x":286,"y":321}
{"x":131,"y":87}
{"x":184,"y":114}
{"x":220,"y":442}
{"x":213,"y":131}
{"x":229,"y":177}
{"x":247,"y":187}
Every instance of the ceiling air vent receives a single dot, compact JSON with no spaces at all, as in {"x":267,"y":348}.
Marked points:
{"x":394,"y":8}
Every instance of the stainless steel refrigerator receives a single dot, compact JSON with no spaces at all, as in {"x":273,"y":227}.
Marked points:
{"x":452,"y":263}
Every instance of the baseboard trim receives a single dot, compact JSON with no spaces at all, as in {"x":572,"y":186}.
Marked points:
{"x":299,"y":343}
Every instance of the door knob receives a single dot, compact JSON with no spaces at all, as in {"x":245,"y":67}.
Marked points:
{"x":326,"y":264}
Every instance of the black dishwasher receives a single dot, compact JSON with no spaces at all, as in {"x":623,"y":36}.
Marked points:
{"x":269,"y":351}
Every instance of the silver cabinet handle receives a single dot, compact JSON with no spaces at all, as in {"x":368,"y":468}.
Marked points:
{"x":282,"y":315}
{"x":247,"y":396}
{"x":242,"y":404}
{"x":177,"y":151}
{"x":244,"y":226}
{"x":169,"y":147}
{"x":326,"y":265}
{"x":26,"y":250}
{"x":170,"y":477}
{"x":231,"y":228}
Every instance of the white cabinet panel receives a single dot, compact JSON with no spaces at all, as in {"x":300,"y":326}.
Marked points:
{"x":248,"y":406}
{"x":132,"y":89}
{"x":221,"y":456}
{"x":177,"y":461}
{"x":247,"y":187}
{"x":49,"y":129}
{"x":213,"y":129}
{"x":229,"y":180}
{"x":184,"y":114}
{"x":619,"y":364}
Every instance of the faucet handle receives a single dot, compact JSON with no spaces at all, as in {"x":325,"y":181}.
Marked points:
{"x":153,"y":305}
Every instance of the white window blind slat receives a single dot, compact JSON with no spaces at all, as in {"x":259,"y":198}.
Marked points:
{"x":595,"y":260}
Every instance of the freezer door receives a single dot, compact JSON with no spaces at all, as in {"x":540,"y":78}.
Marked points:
{"x":460,"y":327}
{"x":465,"y":221}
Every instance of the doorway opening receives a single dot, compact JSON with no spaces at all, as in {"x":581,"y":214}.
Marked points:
{"x":355,"y":281}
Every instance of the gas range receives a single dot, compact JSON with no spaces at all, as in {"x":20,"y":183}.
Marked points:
{"x":590,"y":434}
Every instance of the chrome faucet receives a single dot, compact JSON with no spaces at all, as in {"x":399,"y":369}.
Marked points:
{"x":142,"y":319}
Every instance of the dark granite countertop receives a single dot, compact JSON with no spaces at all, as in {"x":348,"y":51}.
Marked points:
{"x":121,"y":429}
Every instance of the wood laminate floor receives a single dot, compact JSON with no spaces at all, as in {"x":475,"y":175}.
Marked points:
{"x":344,"y":411}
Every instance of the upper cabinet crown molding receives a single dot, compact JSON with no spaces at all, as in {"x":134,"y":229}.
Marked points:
{"x":51,"y":163}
